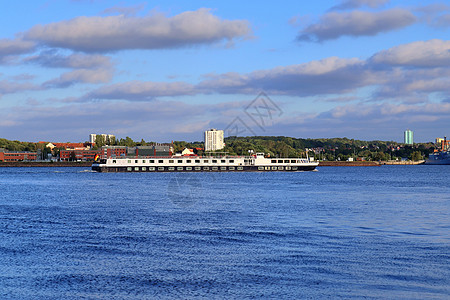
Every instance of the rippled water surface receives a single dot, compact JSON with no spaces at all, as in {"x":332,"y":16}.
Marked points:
{"x":349,"y":232}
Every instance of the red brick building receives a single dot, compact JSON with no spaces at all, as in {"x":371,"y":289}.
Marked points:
{"x":84,"y":155}
{"x":110,"y":151}
{"x":17,"y":156}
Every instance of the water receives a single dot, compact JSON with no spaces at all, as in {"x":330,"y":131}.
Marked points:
{"x":349,"y":232}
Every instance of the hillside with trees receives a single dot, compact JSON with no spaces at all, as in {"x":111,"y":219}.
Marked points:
{"x":281,"y":146}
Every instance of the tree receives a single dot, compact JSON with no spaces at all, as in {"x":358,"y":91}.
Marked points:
{"x":416,"y":156}
{"x":100,"y":141}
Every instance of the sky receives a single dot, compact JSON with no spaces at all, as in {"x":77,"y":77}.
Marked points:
{"x":169,"y":70}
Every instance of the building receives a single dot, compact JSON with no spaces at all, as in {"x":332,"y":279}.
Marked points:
{"x":443,"y":143}
{"x":214,"y":140}
{"x":155,"y":150}
{"x":409,"y":137}
{"x":188,"y":152}
{"x":84,"y":155}
{"x":17,"y":155}
{"x":108,"y":137}
{"x":114,"y":151}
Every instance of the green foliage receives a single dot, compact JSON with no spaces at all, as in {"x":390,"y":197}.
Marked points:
{"x":127,"y":142}
{"x":416,"y":156}
{"x":17,"y":146}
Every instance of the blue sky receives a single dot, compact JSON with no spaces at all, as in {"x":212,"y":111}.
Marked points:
{"x":363,"y":69}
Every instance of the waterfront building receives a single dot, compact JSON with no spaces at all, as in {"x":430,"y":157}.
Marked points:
{"x":114,"y":151}
{"x":17,"y":155}
{"x":82,"y":155}
{"x":154,"y":150}
{"x":214,"y":140}
{"x":409,"y":137}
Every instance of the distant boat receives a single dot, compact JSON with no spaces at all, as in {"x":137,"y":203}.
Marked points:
{"x":440,"y":157}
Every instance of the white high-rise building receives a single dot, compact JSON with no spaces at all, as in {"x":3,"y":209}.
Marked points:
{"x":214,"y":140}
{"x":93,"y":137}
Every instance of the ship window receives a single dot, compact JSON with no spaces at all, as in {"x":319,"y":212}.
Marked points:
{"x":144,"y":169}
{"x":205,"y":161}
{"x":223,"y":168}
{"x":188,"y":161}
{"x":136,"y":161}
{"x":286,"y":161}
{"x":198,"y":168}
{"x":179,"y":168}
{"x":214,"y":161}
{"x":129,"y":161}
{"x":188,"y":168}
{"x":274,"y":161}
{"x":231,"y":168}
{"x":160,"y":161}
{"x":170,"y":161}
{"x":180,"y":161}
{"x":197,"y":161}
{"x":114,"y":161}
{"x":222,"y":161}
{"x":293,"y":161}
{"x":231,"y":160}
{"x":143,"y":161}
{"x":280,"y":161}
{"x":152,"y":161}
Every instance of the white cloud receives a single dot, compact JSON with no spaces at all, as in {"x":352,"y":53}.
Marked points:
{"x":327,"y":76}
{"x":351,"y":4}
{"x":432,"y":53}
{"x":140,"y":91}
{"x":53,"y":59}
{"x":10,"y":87}
{"x":15,"y":47}
{"x":80,"y":76}
{"x":356,"y":23}
{"x":113,"y":33}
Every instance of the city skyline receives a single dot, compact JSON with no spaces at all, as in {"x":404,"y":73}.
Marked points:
{"x":361,"y":69}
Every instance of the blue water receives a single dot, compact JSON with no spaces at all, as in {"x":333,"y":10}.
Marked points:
{"x":349,"y":232}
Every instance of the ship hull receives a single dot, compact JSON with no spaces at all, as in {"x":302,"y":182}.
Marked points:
{"x":439,"y":158}
{"x":438,"y":162}
{"x":108,"y":169}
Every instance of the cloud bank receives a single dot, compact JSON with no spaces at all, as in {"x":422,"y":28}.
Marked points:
{"x":114,"y":33}
{"x":334,"y":25}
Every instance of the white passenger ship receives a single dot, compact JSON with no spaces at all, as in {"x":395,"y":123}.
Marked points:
{"x":204,"y":164}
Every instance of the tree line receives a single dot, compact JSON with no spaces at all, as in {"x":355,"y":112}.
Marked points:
{"x":276,"y":146}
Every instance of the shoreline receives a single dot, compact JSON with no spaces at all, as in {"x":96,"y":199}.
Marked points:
{"x":349,"y":164}
{"x":23,"y":164}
